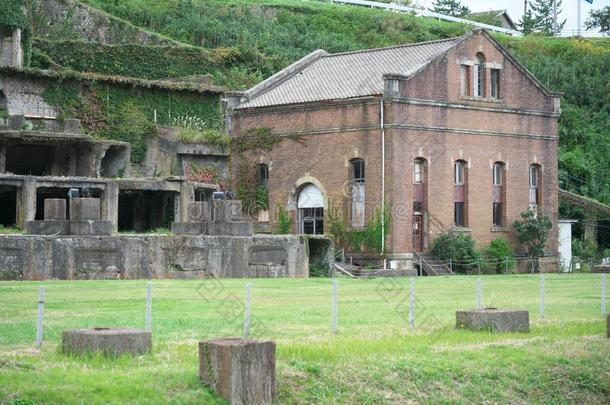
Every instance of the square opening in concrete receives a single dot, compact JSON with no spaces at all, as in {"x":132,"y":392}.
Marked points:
{"x":8,"y":206}
{"x":35,"y":160}
{"x":146,"y":210}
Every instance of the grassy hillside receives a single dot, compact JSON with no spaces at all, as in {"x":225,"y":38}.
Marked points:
{"x":265,"y":36}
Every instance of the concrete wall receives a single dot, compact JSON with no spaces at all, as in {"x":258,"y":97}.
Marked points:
{"x":24,"y":97}
{"x":133,"y":257}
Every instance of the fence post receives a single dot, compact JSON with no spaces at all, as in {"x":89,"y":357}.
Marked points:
{"x":451,"y":265}
{"x":334,"y":308}
{"x":541,"y":295}
{"x":603,"y":294}
{"x":247,"y":312}
{"x":412,"y":304}
{"x":506,"y":266}
{"x":149,"y":307}
{"x":478,"y":292}
{"x":40,"y":316}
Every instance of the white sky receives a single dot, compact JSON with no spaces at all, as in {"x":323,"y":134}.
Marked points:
{"x":515,"y":8}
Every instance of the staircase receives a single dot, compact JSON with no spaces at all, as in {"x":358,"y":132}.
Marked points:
{"x":431,"y":265}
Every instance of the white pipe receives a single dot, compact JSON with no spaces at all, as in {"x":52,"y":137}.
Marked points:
{"x":382,"y":179}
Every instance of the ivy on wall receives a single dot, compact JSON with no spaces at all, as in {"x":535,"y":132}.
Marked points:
{"x":228,"y":66}
{"x":127,"y":113}
{"x":13,"y":14}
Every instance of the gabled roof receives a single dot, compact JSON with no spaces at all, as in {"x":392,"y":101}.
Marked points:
{"x":321,"y":76}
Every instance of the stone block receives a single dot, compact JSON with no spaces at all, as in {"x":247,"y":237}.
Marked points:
{"x":54,"y":209}
{"x":189,"y":228}
{"x":241,"y":371}
{"x":108,"y":341}
{"x":226,"y":211}
{"x":85,"y":209}
{"x":231,"y":228}
{"x":198,"y":211}
{"x":494,"y":320}
{"x":53,"y":227}
{"x":72,"y":126}
{"x":90,"y":228}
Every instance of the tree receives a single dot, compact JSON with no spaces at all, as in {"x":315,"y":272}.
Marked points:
{"x":539,"y":17}
{"x":450,"y":7}
{"x":599,"y":19}
{"x":533,"y":232}
{"x":458,"y":248}
{"x":527,"y":23}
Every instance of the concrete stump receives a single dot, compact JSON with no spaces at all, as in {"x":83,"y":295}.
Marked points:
{"x":108,"y":341}
{"x":241,"y":371}
{"x":84,"y":209}
{"x":493,"y":319}
{"x":54,"y":209}
{"x":90,"y":228}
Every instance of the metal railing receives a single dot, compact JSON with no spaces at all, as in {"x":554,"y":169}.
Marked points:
{"x":426,"y":13}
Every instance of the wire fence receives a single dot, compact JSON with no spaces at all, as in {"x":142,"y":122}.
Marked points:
{"x":291,"y":308}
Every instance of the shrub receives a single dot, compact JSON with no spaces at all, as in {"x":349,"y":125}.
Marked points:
{"x":284,"y":222}
{"x":496,"y":255}
{"x":458,"y":247}
{"x":207,"y":136}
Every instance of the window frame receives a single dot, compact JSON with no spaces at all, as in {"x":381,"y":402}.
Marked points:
{"x":418,"y":172}
{"x":458,"y":173}
{"x":465,"y":80}
{"x":494,"y":83}
{"x":498,"y":174}
{"x":459,"y":214}
{"x":357,"y":170}
{"x":263,"y":174}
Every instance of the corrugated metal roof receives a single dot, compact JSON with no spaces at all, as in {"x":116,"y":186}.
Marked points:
{"x":349,"y":75}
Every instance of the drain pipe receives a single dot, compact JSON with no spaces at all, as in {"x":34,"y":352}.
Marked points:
{"x":381,"y":126}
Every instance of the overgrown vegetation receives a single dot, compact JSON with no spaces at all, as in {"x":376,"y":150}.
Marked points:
{"x":208,"y":136}
{"x":458,"y":249}
{"x":284,"y":222}
{"x":127,"y":113}
{"x":366,"y":240}
{"x":499,"y":255}
{"x":13,"y":14}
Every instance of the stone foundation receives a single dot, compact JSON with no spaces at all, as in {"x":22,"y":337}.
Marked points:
{"x":492,"y":319}
{"x":241,"y":371}
{"x":33,"y":257}
{"x":108,"y":341}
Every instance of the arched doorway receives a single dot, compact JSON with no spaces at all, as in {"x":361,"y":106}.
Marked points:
{"x":310,"y":205}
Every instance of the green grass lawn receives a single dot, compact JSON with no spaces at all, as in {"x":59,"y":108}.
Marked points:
{"x":374,"y":358}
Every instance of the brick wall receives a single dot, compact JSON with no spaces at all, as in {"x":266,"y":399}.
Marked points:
{"x":428,"y":120}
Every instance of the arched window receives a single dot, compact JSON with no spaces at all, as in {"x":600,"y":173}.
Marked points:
{"x":479,"y":75}
{"x":310,"y":204}
{"x":460,"y":193}
{"x":535,"y":197}
{"x":357,"y":192}
{"x":499,"y":195}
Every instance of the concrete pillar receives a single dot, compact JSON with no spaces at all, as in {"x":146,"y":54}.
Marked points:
{"x":17,"y":53}
{"x":110,"y":204}
{"x":26,"y":210}
{"x":54,"y":209}
{"x":187,"y":195}
{"x":2,"y":157}
{"x":85,"y":209}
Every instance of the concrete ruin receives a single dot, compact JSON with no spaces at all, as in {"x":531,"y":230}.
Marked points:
{"x":241,"y":371}
{"x":493,"y":319}
{"x":107,"y":341}
{"x":89,"y":212}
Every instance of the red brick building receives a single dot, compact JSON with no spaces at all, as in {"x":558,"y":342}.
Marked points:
{"x":452,"y":134}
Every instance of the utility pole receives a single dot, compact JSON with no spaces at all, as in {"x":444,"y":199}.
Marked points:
{"x":554,"y":18}
{"x":578,"y":19}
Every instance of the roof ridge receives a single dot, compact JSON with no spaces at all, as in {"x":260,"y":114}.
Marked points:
{"x":330,"y":55}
